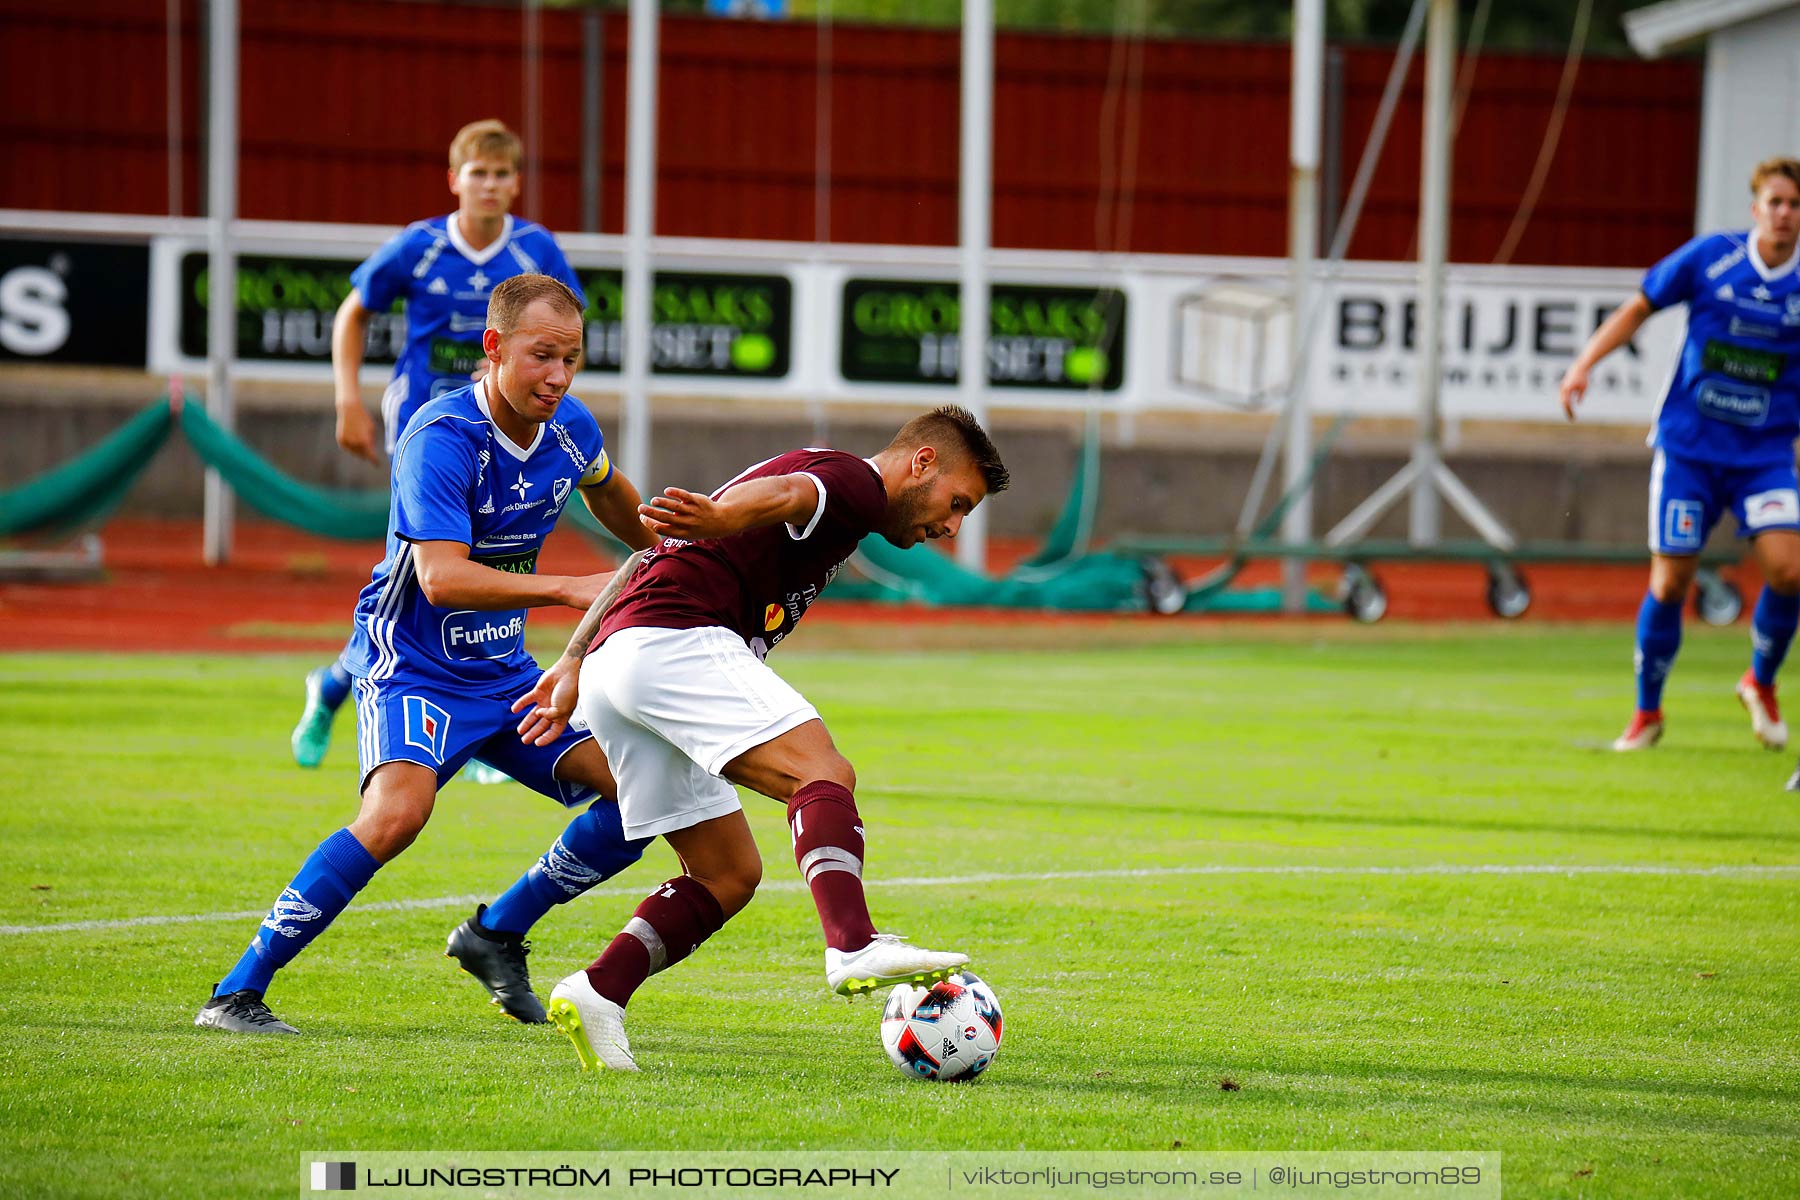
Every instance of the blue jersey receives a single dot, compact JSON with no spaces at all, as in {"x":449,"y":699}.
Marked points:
{"x":446,"y":284}
{"x":457,"y":478}
{"x":1735,"y":396}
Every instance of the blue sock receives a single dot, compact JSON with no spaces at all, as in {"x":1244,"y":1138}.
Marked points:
{"x":335,"y":686}
{"x":1658,"y":639}
{"x":593,"y":848}
{"x":1771,"y":631}
{"x":333,"y":873}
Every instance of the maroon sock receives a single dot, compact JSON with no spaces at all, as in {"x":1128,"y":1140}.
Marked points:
{"x":828,"y":845}
{"x":668,"y":926}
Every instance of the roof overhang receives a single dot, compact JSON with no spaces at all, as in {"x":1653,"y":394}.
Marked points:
{"x":1673,"y":24}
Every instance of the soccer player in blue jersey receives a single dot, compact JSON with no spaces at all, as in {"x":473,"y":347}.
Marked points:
{"x":1724,"y":438}
{"x":480,"y":477}
{"x":443,"y":269}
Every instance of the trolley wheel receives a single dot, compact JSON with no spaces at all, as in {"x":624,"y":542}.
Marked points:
{"x":1508,"y":595}
{"x":1717,"y":600}
{"x":1161,"y":590}
{"x":1361,"y":594}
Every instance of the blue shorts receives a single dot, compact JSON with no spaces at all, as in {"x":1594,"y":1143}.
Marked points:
{"x":443,"y":728}
{"x":1688,"y":497}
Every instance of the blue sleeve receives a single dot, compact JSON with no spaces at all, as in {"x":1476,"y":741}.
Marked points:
{"x":589,"y":441}
{"x":434,"y":473}
{"x":1672,"y":281}
{"x":385,"y":275}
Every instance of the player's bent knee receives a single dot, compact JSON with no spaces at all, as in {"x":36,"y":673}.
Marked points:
{"x":385,"y":835}
{"x":835,"y":769}
{"x":734,"y":886}
{"x":744,"y":874}
{"x":586,"y":764}
{"x":1670,"y":581}
{"x":1783,"y":577}
{"x":779,"y":768}
{"x":396,"y":805}
{"x":749,"y":878}
{"x":830,"y":767}
{"x":849,"y":777}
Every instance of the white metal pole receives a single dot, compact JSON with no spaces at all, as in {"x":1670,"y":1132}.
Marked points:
{"x":1303,"y":233}
{"x":1434,"y":223}
{"x":221,"y":264}
{"x":976,"y":213}
{"x":640,"y":219}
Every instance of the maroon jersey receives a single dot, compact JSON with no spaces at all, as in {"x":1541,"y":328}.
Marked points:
{"x":760,"y":582}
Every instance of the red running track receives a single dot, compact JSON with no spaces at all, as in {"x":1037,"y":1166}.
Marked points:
{"x":285,"y":590}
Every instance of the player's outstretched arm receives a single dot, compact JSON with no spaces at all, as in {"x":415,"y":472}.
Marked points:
{"x":450,"y":580}
{"x":356,"y":431}
{"x":1614,"y":332}
{"x":614,"y":504}
{"x":552,"y":700}
{"x":752,"y":504}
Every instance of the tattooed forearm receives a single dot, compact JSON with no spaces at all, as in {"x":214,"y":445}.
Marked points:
{"x":589,"y":624}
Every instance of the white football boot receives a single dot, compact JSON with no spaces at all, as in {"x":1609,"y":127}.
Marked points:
{"x":593,"y":1023}
{"x":1645,"y":730}
{"x":887,"y":960}
{"x":1765,"y":714}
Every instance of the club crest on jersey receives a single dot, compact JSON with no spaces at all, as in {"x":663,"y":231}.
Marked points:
{"x":427,"y":726}
{"x":1681,"y":525}
{"x":559,"y":491}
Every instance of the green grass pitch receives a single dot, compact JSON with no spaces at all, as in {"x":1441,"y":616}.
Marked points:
{"x":1327,"y":825}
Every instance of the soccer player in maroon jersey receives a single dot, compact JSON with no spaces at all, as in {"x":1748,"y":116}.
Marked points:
{"x":672,"y":681}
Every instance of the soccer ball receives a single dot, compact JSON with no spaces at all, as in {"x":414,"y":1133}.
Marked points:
{"x":949,"y":1031}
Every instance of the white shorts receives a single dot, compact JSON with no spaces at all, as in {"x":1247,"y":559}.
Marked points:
{"x":671,"y":708}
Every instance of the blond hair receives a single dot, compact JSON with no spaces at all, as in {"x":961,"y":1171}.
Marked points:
{"x":485,"y":139}
{"x":513,"y":296}
{"x":1787,"y":168}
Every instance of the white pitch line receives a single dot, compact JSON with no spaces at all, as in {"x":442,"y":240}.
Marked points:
{"x":794,"y":885}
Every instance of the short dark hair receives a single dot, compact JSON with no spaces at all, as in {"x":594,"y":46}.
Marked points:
{"x":955,"y":426}
{"x":513,"y":296}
